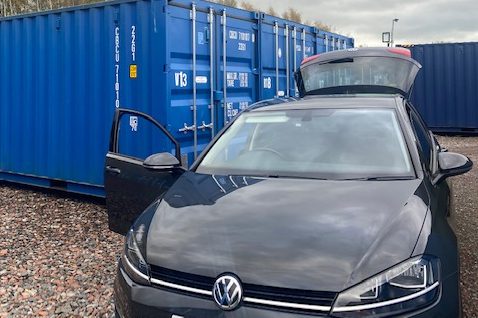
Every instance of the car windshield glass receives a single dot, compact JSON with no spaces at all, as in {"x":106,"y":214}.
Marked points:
{"x":312,"y":143}
{"x":359,"y":71}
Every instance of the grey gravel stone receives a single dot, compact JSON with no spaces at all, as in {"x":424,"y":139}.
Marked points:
{"x":466,"y":205}
{"x":53,"y":247}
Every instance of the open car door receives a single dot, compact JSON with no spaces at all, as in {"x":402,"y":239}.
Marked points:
{"x":139,"y":166}
{"x":358,"y":71}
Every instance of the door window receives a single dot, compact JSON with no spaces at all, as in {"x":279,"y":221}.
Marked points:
{"x":423,"y":138}
{"x":131,"y":186}
{"x":139,"y":138}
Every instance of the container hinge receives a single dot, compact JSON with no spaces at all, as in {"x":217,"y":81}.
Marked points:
{"x":192,"y":14}
{"x":276,"y":28}
{"x":187,"y":128}
{"x":218,"y":96}
{"x":223,"y":17}
{"x":211,"y":11}
{"x":116,"y":16}
{"x":166,"y":68}
{"x":58,"y":23}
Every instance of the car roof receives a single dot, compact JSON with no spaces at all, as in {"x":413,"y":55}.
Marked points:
{"x":336,"y":101}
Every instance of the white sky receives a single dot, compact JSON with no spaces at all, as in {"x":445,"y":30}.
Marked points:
{"x":421,"y":21}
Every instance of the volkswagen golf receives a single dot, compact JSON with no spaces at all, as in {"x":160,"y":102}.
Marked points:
{"x":336,"y":204}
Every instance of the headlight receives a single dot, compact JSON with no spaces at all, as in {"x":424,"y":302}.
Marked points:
{"x":408,"y":286}
{"x":133,"y":260}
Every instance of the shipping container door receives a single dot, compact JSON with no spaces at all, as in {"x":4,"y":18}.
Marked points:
{"x":329,"y":43}
{"x":302,"y":45}
{"x":310,"y":44}
{"x":274,"y":56}
{"x":296,"y":57}
{"x":237,"y":79}
{"x":190,"y":71}
{"x":320,"y":43}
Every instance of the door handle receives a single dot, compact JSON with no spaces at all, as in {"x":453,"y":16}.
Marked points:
{"x":113,"y":170}
{"x":187,"y":128}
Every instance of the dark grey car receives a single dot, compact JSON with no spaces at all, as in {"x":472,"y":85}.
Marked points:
{"x":334,"y":205}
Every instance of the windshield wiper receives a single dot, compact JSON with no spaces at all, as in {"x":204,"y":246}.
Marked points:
{"x":382,"y":178}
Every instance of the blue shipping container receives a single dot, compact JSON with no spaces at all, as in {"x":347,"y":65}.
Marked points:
{"x":64,"y":72}
{"x":445,"y":90}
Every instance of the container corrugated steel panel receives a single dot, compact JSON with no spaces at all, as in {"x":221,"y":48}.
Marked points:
{"x":63,"y":73}
{"x":445,"y":90}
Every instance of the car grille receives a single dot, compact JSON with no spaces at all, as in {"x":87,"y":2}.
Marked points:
{"x":254,"y":295}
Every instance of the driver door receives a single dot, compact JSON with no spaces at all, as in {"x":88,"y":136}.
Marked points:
{"x":130,"y":184}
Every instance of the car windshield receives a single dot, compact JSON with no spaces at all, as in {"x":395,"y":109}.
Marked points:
{"x":359,"y":71}
{"x":312,"y":143}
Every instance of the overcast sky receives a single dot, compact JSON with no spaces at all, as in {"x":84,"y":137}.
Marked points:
{"x":421,"y":21}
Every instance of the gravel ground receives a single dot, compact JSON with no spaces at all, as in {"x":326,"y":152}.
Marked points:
{"x":58,"y":259}
{"x":57,"y":256}
{"x":466,"y":204}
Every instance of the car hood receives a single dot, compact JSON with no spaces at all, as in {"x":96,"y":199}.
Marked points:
{"x":290,"y":233}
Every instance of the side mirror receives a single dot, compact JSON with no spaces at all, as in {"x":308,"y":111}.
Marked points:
{"x":452,"y":164}
{"x":162,"y":160}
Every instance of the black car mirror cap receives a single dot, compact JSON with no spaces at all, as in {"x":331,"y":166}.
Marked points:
{"x":452,"y":164}
{"x":163,"y":160}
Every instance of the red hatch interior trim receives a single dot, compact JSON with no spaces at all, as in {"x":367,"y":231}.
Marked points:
{"x":310,"y":58}
{"x":401,"y":51}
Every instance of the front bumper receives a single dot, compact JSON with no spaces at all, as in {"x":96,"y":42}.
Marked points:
{"x":133,"y":300}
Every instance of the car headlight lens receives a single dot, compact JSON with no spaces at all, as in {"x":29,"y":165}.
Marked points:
{"x":134,"y":255}
{"x":133,"y":260}
{"x":407,"y":286}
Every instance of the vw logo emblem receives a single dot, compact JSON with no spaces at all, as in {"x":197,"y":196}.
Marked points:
{"x":227,"y":292}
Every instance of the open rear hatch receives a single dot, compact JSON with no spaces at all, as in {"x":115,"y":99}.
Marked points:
{"x":358,"y":71}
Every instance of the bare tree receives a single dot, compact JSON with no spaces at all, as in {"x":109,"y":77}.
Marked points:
{"x":248,"y":6}
{"x":12,"y":9}
{"x":230,"y":3}
{"x":323,"y":26}
{"x":271,"y":11}
{"x":293,"y":15}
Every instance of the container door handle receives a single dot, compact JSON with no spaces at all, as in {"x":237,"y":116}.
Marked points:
{"x":276,"y":31}
{"x":204,"y":125}
{"x":187,"y":128}
{"x":193,"y":18}
{"x":113,"y":170}
{"x":287,"y":63}
{"x":224,"y":65}
{"x":294,"y":35}
{"x":211,"y":65}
